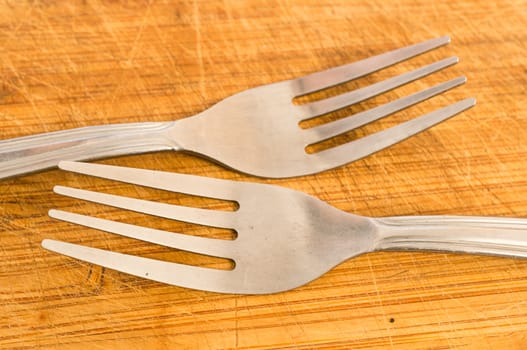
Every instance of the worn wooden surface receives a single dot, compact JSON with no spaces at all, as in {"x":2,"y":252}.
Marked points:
{"x":75,"y":63}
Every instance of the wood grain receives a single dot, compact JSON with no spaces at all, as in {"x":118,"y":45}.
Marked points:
{"x":68,"y":64}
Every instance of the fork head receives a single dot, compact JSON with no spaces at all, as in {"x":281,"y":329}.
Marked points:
{"x":284,"y":238}
{"x":257,"y":131}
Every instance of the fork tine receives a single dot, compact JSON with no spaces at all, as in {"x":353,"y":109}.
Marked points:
{"x":162,"y":271}
{"x":337,"y":127}
{"x":349,"y":98}
{"x":367,"y":145}
{"x":200,"y":245}
{"x":181,"y":183}
{"x":207,"y":217}
{"x":338,"y":75}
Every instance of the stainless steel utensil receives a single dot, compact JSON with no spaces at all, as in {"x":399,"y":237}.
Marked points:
{"x":255,"y":131}
{"x":284,"y":238}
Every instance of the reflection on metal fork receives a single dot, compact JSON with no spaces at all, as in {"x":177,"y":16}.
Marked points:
{"x":284,"y":238}
{"x":256,"y":131}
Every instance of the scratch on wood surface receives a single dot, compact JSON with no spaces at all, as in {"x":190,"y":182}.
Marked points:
{"x":517,"y":306}
{"x":471,"y":310}
{"x":497,"y":133}
{"x":295,"y":320}
{"x":199,"y":51}
{"x":106,"y":25}
{"x":393,"y":180}
{"x":381,"y":305}
{"x":135,"y":43}
{"x":228,"y":11}
{"x":236,"y":331}
{"x":421,"y":280}
{"x":12,"y":34}
{"x":23,"y":89}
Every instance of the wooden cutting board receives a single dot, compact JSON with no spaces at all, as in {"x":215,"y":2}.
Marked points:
{"x":67,"y":64}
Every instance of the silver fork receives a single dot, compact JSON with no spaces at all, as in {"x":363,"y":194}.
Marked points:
{"x":255,"y":131}
{"x":284,"y":238}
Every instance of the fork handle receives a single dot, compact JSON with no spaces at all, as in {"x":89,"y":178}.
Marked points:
{"x":462,"y":234}
{"x":42,"y":151}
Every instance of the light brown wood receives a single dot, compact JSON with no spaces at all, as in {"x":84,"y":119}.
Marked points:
{"x":68,"y":64}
